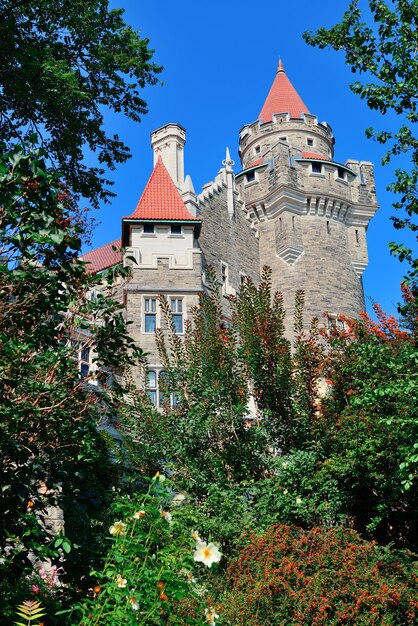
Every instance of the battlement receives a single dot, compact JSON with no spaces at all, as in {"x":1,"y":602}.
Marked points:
{"x":304,"y":133}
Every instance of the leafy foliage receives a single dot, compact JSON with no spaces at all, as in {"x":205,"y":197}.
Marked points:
{"x":321,"y":576}
{"x":386,"y":52}
{"x":30,"y":610}
{"x":64,"y":63}
{"x":50,"y":448}
{"x":369,"y":425}
{"x":149,"y":573}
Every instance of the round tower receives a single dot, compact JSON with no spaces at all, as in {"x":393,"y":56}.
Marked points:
{"x":310,"y":212}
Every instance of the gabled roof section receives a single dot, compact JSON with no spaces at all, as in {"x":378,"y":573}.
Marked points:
{"x":161,"y":199}
{"x":103,"y":257}
{"x":282,"y":98}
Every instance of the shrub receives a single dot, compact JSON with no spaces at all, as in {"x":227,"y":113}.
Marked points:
{"x":295,"y":577}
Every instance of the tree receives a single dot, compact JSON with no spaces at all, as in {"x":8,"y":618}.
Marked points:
{"x":51,"y":452}
{"x":64,"y":62}
{"x":386,"y":52}
{"x":369,"y":426}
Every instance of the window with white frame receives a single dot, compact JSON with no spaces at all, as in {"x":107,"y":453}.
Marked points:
{"x":176,"y":308}
{"x":148,"y":229}
{"x":158,"y":389}
{"x":150,"y":315}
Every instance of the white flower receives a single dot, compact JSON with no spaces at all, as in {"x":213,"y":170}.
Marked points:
{"x":167,"y":516}
{"x":211,"y":616}
{"x":134,"y":603}
{"x":207,"y":553}
{"x":195,"y":535}
{"x":138,"y":514}
{"x":285,"y":465}
{"x":285,"y":492}
{"x":121,"y":582}
{"x":298,"y":500}
{"x":118,"y":529}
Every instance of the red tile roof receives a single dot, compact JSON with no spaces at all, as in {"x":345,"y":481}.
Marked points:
{"x":160,"y":199}
{"x":258,"y":162}
{"x":313,"y":155}
{"x":282,"y":98}
{"x":103,"y":257}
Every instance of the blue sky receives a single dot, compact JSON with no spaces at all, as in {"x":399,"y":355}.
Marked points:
{"x":219,"y":62}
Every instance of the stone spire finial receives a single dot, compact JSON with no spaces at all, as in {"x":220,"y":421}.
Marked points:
{"x":280,"y":67}
{"x":228,"y":162}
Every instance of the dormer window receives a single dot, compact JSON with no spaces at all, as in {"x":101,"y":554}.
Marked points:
{"x":148,"y":229}
{"x":175,"y":229}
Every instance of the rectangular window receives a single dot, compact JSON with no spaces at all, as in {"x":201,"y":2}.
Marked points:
{"x":150,"y":315}
{"x":152,"y":386}
{"x":224,"y":277}
{"x":148,"y":229}
{"x":176,"y":307}
{"x":257,"y":149}
{"x":175,"y":229}
{"x":250,"y":177}
{"x":310,"y":141}
{"x":341,"y":173}
{"x":316,"y":168}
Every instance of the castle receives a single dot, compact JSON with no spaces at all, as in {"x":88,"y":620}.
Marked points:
{"x":291,"y":207}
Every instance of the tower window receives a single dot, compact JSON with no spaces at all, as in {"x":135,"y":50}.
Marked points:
{"x":148,"y":229}
{"x":316,"y":168}
{"x":309,"y":141}
{"x":341,"y":173}
{"x":250,"y":177}
{"x":283,"y":138}
{"x":257,"y":149}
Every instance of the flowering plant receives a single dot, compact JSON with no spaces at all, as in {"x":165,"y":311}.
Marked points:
{"x":148,"y":576}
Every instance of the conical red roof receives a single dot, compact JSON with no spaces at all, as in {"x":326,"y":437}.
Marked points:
{"x":161,"y":199}
{"x":282,"y":98}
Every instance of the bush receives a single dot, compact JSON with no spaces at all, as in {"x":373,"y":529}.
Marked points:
{"x":295,"y":577}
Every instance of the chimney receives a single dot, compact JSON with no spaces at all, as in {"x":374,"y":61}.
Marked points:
{"x":168,"y":141}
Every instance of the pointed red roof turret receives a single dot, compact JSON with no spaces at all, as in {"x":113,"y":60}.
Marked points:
{"x":282,"y":98}
{"x":160,"y":199}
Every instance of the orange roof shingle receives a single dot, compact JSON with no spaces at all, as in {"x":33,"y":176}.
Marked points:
{"x":282,"y":98}
{"x":160,"y":199}
{"x":103,"y":257}
{"x":314,"y":155}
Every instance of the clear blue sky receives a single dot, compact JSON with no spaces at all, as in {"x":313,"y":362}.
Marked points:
{"x":220,"y":59}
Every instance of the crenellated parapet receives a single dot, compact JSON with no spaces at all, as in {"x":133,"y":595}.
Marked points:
{"x":302,"y":134}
